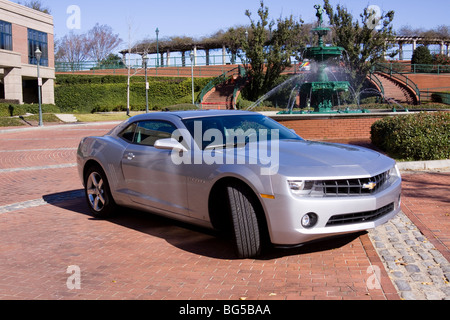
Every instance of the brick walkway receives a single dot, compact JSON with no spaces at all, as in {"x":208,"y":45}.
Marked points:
{"x":45,"y":227}
{"x":426,"y":201}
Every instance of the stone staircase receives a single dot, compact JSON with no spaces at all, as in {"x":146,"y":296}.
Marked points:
{"x":220,"y":97}
{"x":396,"y":90}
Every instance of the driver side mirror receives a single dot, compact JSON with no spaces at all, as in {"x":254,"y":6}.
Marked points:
{"x":169,"y":144}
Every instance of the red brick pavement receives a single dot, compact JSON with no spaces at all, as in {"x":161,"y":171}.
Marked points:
{"x":141,"y":256}
{"x":426,"y":201}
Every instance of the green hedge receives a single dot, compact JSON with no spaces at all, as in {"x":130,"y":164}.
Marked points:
{"x":441,"y":97}
{"x":415,"y":137}
{"x":109,"y":93}
{"x":71,"y":79}
{"x":10,"y":110}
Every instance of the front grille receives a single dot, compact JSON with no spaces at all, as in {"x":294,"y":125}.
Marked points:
{"x":360,"y":217}
{"x":350,"y":187}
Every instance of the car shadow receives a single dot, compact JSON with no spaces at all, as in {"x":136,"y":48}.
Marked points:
{"x":190,"y":238}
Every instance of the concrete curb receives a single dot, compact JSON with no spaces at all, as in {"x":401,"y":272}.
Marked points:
{"x":59,"y":126}
{"x":424,"y":165}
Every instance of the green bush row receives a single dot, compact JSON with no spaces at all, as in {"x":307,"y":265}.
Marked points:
{"x":441,"y":97}
{"x":107,"y":96}
{"x":415,"y":137}
{"x":71,"y":79}
{"x":11,"y":110}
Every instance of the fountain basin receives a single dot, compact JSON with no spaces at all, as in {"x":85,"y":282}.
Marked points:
{"x":323,"y":53}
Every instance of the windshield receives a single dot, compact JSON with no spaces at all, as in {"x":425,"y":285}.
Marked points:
{"x":236,"y":130}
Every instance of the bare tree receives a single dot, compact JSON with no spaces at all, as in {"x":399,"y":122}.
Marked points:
{"x":442,"y":31}
{"x":101,"y":41}
{"x":36,"y":5}
{"x":408,"y":31}
{"x":128,"y":64}
{"x":73,"y":50}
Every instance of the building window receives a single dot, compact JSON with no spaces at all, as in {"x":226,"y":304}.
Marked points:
{"x":5,"y":35}
{"x":37,"y":39}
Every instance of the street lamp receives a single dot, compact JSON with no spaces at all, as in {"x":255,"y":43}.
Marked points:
{"x":38,"y":55}
{"x":145,"y":64}
{"x":192,"y":75}
{"x":157,"y":47}
{"x":248,"y":48}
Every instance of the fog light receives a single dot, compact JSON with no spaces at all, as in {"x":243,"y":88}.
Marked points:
{"x":309,"y":220}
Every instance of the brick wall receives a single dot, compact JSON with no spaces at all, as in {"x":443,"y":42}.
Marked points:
{"x":427,"y":81}
{"x":332,"y":128}
{"x":20,"y":41}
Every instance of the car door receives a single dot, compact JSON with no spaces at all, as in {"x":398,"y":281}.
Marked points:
{"x":151,"y":177}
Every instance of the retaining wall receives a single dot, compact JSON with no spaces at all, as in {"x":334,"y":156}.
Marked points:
{"x":333,"y":127}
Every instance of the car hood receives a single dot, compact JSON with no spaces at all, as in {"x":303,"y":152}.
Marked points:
{"x":318,"y":159}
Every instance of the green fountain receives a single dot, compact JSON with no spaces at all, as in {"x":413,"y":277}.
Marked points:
{"x":320,"y":91}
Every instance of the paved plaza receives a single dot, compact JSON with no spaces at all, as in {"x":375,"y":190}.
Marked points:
{"x":52,"y":248}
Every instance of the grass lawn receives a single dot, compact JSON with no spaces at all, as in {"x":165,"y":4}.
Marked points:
{"x":96,"y":117}
{"x":10,"y":122}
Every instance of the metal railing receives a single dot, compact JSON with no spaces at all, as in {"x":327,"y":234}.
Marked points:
{"x":399,"y":77}
{"x":239,"y":71}
{"x":373,"y":77}
{"x":408,"y":68}
{"x":154,"y":63}
{"x":135,"y":63}
{"x":442,"y":91}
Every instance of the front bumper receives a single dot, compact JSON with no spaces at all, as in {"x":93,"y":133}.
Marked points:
{"x":284,"y":214}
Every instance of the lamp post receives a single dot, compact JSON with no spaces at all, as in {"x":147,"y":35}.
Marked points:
{"x":145,"y":64}
{"x":38,"y":55}
{"x":157,"y":47}
{"x":248,"y":48}
{"x":192,"y":75}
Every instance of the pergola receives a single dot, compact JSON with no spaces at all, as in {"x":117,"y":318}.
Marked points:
{"x":414,"y":40}
{"x":182,"y":45}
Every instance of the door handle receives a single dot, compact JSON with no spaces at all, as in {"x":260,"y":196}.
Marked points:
{"x":130,"y":156}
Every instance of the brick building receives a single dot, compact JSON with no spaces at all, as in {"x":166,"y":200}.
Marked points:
{"x":22,"y":31}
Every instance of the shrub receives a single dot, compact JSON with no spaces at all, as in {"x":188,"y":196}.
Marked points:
{"x":422,"y":136}
{"x":11,"y":110}
{"x":422,"y":57}
{"x":109,"y":93}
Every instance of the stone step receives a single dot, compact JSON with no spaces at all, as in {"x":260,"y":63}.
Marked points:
{"x":68,"y":118}
{"x":220,"y":96}
{"x":393,"y":90}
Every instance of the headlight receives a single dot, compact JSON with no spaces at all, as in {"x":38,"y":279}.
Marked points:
{"x":394,"y":172}
{"x":301,"y":187}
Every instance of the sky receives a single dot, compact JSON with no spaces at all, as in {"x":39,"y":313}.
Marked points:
{"x":197,"y":18}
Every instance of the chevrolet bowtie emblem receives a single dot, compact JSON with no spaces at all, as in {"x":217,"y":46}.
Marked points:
{"x":370,"y":185}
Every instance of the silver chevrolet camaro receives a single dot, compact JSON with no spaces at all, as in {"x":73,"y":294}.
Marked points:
{"x":239,"y":172}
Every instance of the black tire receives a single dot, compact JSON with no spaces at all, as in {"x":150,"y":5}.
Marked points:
{"x":244,"y":220}
{"x":98,"y":193}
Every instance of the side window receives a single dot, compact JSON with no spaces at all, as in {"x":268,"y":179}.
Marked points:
{"x":128,"y":133}
{"x":148,"y":132}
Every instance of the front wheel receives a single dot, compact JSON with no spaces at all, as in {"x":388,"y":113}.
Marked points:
{"x":245,"y":224}
{"x":98,"y":194}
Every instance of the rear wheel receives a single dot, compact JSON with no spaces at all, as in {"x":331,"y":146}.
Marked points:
{"x":98,"y":194}
{"x":245,"y":223}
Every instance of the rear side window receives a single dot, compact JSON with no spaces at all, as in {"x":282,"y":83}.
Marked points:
{"x":148,"y":132}
{"x":128,"y":133}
